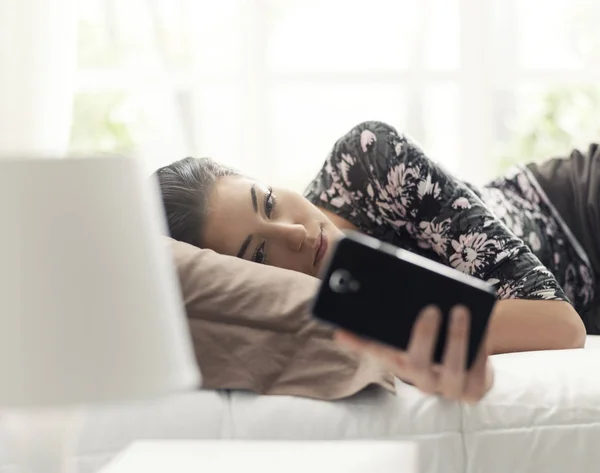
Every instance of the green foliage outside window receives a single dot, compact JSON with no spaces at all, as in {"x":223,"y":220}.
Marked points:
{"x":567,"y":118}
{"x":101,"y":123}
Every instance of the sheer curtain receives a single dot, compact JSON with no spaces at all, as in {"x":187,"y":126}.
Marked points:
{"x":292,"y":76}
{"x":38,"y":44}
{"x":268,"y":85}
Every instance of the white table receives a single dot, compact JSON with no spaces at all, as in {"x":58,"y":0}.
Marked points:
{"x":237,"y":456}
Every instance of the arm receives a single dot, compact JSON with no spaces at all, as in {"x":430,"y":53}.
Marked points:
{"x":527,"y":325}
{"x":374,"y":172}
{"x":555,"y":323}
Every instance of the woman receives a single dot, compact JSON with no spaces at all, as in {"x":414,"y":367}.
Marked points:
{"x":377,"y":181}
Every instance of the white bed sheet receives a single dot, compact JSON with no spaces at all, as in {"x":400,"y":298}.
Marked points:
{"x":543,"y":414}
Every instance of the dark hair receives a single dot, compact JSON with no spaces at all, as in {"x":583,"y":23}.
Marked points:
{"x":185,"y":187}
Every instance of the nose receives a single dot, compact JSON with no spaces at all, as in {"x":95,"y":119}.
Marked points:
{"x":293,"y":235}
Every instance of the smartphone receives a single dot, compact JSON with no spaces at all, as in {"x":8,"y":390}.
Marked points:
{"x":376,"y":290}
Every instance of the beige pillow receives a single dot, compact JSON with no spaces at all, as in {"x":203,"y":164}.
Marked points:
{"x":252,"y":329}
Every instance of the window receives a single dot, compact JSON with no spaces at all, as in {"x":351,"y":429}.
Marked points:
{"x":267,"y":86}
{"x":547,"y":101}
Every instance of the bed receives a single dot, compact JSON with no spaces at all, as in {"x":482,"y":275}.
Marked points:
{"x":543,"y":415}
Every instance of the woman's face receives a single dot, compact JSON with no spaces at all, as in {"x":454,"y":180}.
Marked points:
{"x":267,"y":225}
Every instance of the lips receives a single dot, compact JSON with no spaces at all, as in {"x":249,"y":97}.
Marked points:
{"x":321,"y":248}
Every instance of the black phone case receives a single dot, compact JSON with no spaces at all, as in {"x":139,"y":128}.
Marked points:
{"x":376,"y":290}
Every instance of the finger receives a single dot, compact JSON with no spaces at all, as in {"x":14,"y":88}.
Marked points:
{"x":479,"y":378}
{"x":393,"y":357}
{"x":478,"y":387}
{"x":452,"y":380}
{"x":348,"y":339}
{"x":421,"y":347}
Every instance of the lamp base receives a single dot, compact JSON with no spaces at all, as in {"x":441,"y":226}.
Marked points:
{"x":43,"y":440}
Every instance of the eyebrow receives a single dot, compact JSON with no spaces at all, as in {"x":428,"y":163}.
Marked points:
{"x":248,"y":239}
{"x":254,"y":199}
{"x":244,"y":246}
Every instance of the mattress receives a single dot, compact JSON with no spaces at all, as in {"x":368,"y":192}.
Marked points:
{"x":543,"y":415}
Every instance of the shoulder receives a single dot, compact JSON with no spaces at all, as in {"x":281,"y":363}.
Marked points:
{"x":370,"y":161}
{"x":369,"y":140}
{"x":374,"y":149}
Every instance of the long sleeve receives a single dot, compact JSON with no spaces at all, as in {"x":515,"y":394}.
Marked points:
{"x":382,"y":182}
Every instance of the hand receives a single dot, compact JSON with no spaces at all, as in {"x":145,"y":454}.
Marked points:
{"x":415,"y":366}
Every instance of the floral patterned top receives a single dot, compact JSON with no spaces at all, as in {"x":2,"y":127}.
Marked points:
{"x":504,"y":233}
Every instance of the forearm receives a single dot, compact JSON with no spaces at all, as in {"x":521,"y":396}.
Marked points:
{"x":528,"y":325}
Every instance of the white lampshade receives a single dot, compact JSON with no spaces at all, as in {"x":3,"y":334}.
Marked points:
{"x":90,"y":309}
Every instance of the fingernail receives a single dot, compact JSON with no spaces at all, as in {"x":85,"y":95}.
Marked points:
{"x":430,"y":313}
{"x":459,"y":315}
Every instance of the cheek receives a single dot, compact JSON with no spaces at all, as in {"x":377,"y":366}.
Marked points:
{"x":285,"y":258}
{"x":302,"y":211}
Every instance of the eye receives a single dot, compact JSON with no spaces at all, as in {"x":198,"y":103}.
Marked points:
{"x":270,"y":203}
{"x":260,"y":256}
